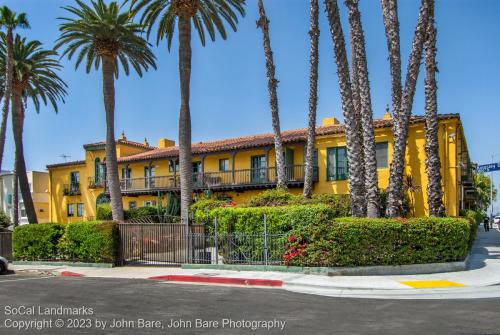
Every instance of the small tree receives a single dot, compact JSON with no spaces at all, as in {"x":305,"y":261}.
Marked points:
{"x":4,"y":220}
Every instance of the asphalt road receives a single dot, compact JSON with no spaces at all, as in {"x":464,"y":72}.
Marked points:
{"x":94,"y":306}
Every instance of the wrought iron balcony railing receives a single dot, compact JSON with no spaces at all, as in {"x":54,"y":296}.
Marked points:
{"x":72,"y":189}
{"x":219,"y":180}
{"x":94,"y":182}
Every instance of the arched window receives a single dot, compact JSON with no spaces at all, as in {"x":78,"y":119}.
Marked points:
{"x":102,"y":199}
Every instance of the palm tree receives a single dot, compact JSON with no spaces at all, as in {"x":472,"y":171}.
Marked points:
{"x":9,"y":20}
{"x":207,"y":16}
{"x":313,"y":97}
{"x":103,"y":35}
{"x":34,"y":77}
{"x":360,"y":68}
{"x":391,"y":24}
{"x":272,"y":84}
{"x":354,"y":143}
{"x":357,"y":109}
{"x":395,"y":194}
{"x":432,"y":161}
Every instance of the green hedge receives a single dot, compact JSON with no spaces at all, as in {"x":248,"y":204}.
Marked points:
{"x":95,"y":242}
{"x":280,"y":219}
{"x":36,"y":241}
{"x":362,"y":242}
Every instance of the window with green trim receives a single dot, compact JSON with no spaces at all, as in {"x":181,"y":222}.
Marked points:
{"x":223,"y":164}
{"x":382,"y":155}
{"x":71,"y":210}
{"x":336,"y":163}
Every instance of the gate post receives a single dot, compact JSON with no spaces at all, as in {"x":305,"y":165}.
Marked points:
{"x":265,"y":239}
{"x":216,"y":241}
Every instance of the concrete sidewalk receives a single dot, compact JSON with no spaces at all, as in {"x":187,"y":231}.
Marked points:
{"x":484,"y":271}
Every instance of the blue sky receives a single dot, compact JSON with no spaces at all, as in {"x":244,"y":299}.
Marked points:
{"x":229,"y":92}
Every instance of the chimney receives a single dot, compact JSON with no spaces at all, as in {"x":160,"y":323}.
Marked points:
{"x":329,"y":121}
{"x":387,"y":115}
{"x":165,"y":143}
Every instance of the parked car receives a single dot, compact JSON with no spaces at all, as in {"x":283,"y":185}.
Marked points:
{"x":4,"y":265}
{"x":496,"y":220}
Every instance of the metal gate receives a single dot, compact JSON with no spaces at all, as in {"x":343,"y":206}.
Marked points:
{"x":160,"y":244}
{"x":6,"y":245}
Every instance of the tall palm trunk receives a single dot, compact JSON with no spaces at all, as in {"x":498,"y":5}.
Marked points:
{"x":18,"y":127}
{"x":313,"y":98}
{"x":15,"y":211}
{"x":391,"y":24}
{"x":402,"y":117}
{"x":363,"y":90}
{"x":432,"y":161}
{"x":112,"y":180}
{"x":185,"y":156}
{"x":272,"y":84}
{"x":357,"y":108}
{"x":9,"y":61}
{"x":354,"y":143}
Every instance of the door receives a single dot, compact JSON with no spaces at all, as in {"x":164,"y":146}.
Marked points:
{"x":197,"y":174}
{"x":149,"y":177}
{"x":75,"y":182}
{"x":259,"y":169}
{"x":126,"y":177}
{"x":289,"y":164}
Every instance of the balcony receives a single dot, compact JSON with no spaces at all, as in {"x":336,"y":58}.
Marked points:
{"x":72,"y":189}
{"x":94,"y":183}
{"x":218,"y":181}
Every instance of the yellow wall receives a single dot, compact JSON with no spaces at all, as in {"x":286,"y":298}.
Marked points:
{"x":415,"y":166}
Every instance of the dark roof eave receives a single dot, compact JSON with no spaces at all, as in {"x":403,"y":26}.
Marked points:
{"x":53,"y":166}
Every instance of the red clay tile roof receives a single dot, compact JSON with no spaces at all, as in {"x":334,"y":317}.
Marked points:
{"x":51,"y":166}
{"x":262,"y":140}
{"x":119,"y":141}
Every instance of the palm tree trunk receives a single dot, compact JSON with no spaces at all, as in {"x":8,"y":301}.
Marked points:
{"x":7,"y":93}
{"x":15,"y":200}
{"x":354,"y":143}
{"x":402,"y":117}
{"x":432,"y":161}
{"x":112,"y":180}
{"x":18,"y":127}
{"x":363,"y":88}
{"x":185,"y":155}
{"x":357,"y":109}
{"x":272,"y":84}
{"x":391,"y":24}
{"x":313,"y":98}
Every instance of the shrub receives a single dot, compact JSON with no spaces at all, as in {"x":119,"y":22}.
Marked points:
{"x":280,"y":219}
{"x":273,"y":197}
{"x":90,"y":242}
{"x":141,"y":212}
{"x":104,"y":212}
{"x":475,"y":218}
{"x":200,"y":210}
{"x":362,"y":241}
{"x":4,"y":220}
{"x":36,"y":241}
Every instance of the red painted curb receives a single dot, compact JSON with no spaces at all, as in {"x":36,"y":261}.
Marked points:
{"x":71,"y":274}
{"x":220,"y":280}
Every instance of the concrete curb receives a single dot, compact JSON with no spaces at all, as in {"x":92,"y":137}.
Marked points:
{"x":220,"y":280}
{"x":379,"y":270}
{"x":75,"y":264}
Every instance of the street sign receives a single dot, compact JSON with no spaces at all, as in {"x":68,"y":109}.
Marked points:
{"x":488,"y":167}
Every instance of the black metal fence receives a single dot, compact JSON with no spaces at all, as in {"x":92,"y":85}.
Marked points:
{"x":6,"y":245}
{"x":158,"y":243}
{"x":161,"y":244}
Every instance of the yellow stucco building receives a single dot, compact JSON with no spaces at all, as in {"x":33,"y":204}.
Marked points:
{"x":239,"y":168}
